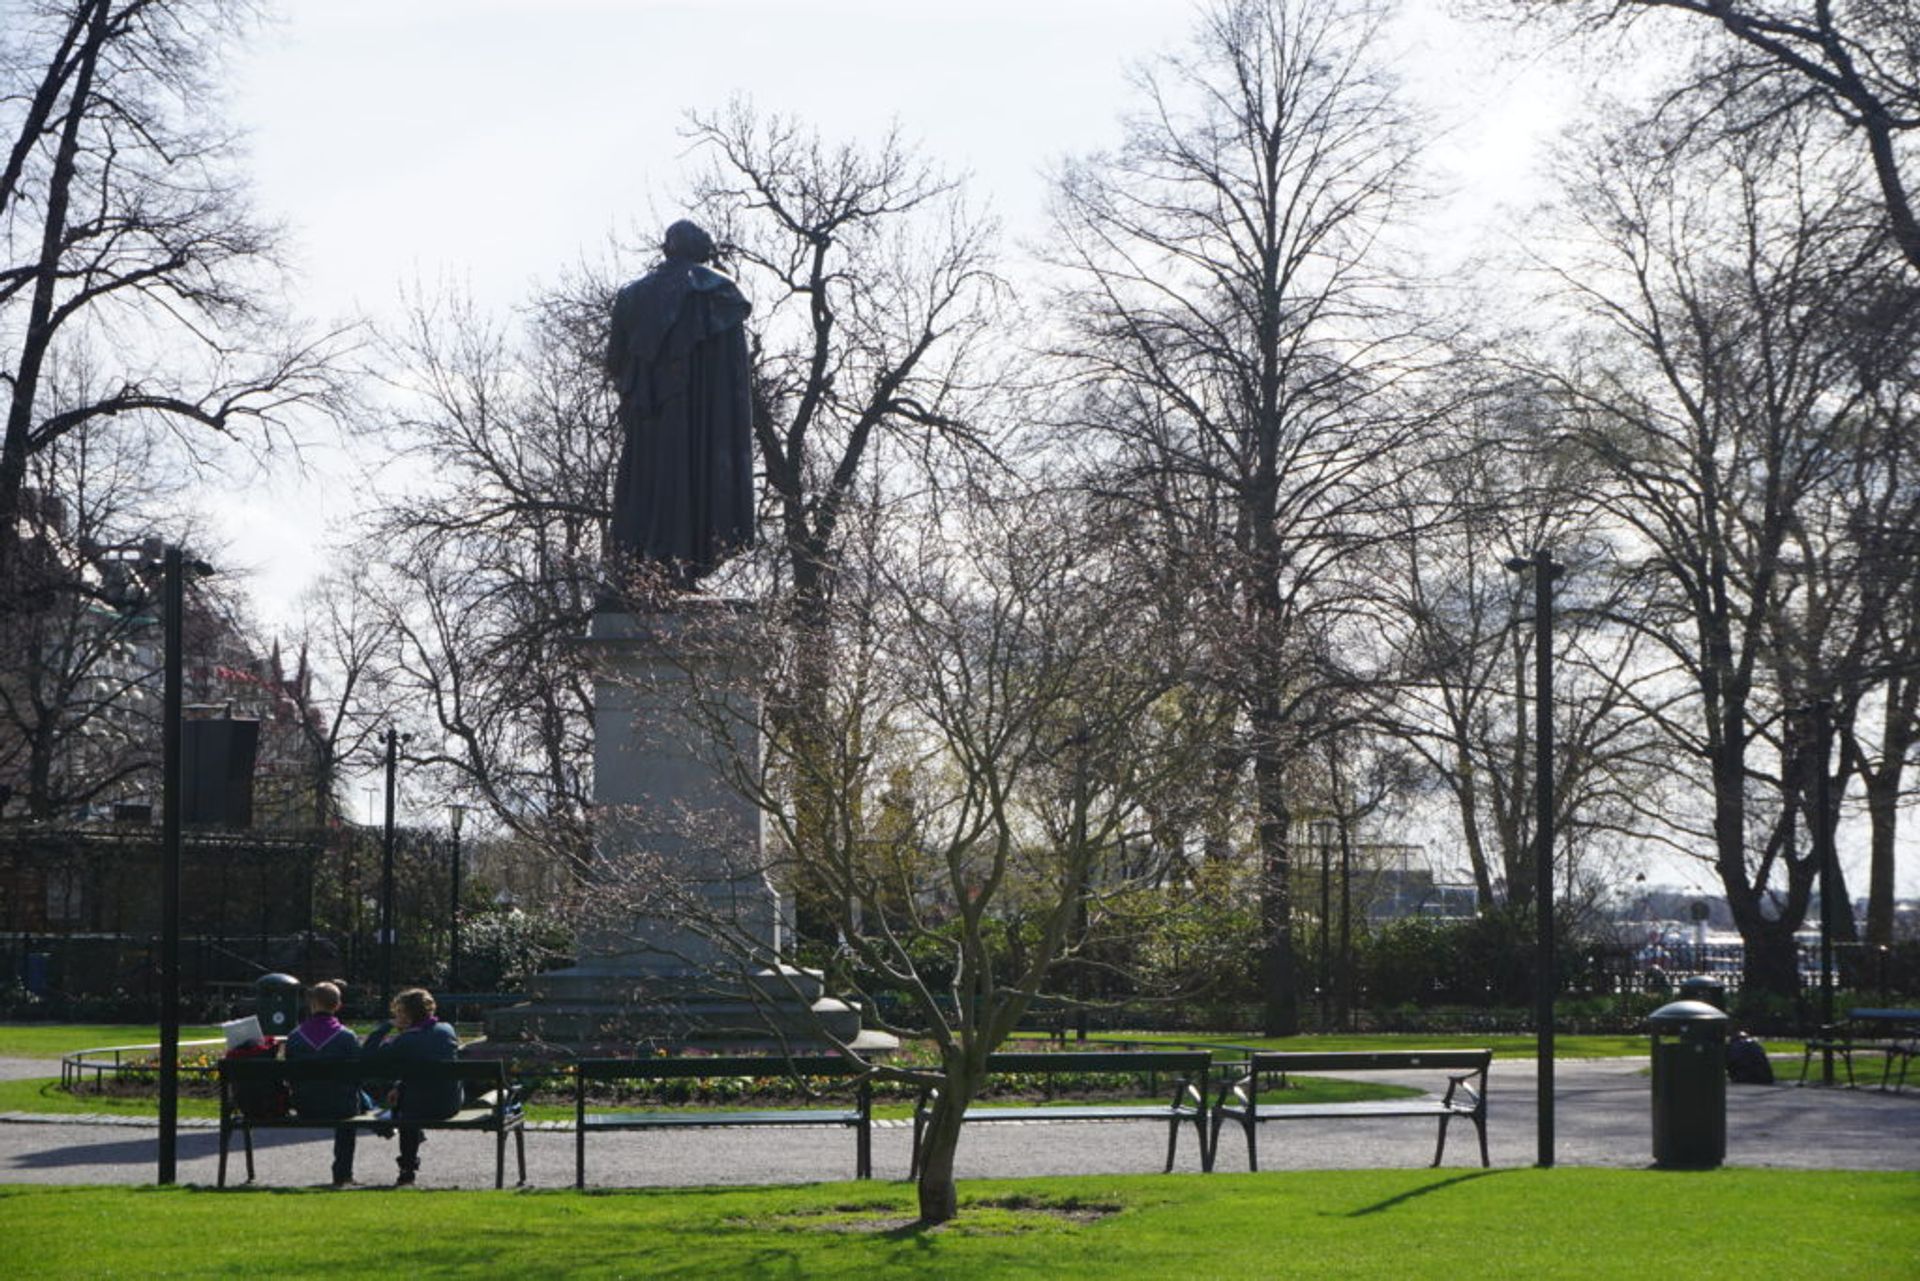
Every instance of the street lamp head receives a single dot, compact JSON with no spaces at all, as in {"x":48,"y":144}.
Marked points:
{"x":456,"y":816}
{"x":1519,"y":564}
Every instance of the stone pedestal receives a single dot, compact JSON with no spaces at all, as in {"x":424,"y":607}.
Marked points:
{"x":687,"y":950}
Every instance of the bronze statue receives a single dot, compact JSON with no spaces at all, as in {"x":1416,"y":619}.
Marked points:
{"x":677,"y":354}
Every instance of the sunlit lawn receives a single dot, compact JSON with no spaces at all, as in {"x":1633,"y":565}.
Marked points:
{"x":51,"y":1040}
{"x":1520,"y":1223}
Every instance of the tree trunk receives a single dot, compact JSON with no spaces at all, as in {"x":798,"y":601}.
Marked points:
{"x":1771,"y":961}
{"x":1280,"y":1006}
{"x":939,"y":1195}
{"x":1883,"y":814}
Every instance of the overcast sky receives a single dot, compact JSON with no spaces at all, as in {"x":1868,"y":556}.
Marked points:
{"x":491,"y":143}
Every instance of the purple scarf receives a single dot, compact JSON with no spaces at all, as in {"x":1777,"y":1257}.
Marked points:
{"x":317,"y":1029}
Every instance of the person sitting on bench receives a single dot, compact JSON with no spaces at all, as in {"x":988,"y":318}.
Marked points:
{"x":417,"y":1036}
{"x":321,"y":1035}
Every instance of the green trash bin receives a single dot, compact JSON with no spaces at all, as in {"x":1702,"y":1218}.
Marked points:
{"x":276,"y":1002}
{"x":1689,"y":1085}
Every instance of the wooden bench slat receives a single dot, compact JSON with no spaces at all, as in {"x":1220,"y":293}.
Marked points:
{"x":1070,"y":1113}
{"x":1358,"y":1108}
{"x":1367,"y":1060}
{"x":695,"y":1120}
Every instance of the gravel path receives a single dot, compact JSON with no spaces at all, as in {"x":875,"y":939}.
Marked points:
{"x":1602,"y":1119}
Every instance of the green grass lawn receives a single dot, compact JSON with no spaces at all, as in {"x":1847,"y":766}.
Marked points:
{"x":44,"y":1094}
{"x":1519,"y":1223}
{"x":51,"y":1040}
{"x":1585,"y":1046}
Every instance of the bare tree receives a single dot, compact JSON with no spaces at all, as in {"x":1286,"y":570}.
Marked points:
{"x":1463,"y":637}
{"x":993,"y":724}
{"x":1245,"y":364}
{"x":345,"y":643}
{"x":1845,"y":630}
{"x":1855,"y":61}
{"x":77,"y":652}
{"x":1722,"y":396}
{"x":482,"y":571}
{"x":124,"y":228}
{"x":873,"y":289}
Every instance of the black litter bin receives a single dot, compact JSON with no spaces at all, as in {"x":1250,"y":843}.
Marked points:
{"x":1689,"y":1085}
{"x":1702,"y":988}
{"x":277,"y":1003}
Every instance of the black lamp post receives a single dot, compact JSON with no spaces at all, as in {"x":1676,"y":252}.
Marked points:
{"x":1544,"y":570}
{"x":456,"y":816}
{"x":173,"y":567}
{"x":1829,"y":890}
{"x":394,"y":740}
{"x":1346,"y":926}
{"x":1323,"y":837}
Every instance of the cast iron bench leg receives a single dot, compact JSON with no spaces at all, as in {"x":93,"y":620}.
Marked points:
{"x":1440,"y":1148}
{"x":1480,"y":1124}
{"x":246,"y":1138}
{"x":1173,"y":1141}
{"x":863,"y":1133}
{"x":226,"y":1136}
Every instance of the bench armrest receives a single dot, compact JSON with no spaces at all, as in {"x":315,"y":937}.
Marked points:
{"x":1463,"y":1083}
{"x":1240,"y":1092}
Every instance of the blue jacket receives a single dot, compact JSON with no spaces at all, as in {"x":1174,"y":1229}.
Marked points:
{"x":427,"y":1043}
{"x":322,"y":1036}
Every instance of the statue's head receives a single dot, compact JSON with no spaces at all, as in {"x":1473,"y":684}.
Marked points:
{"x":687,"y":242}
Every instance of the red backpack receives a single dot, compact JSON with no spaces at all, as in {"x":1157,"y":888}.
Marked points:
{"x":260,"y":1100}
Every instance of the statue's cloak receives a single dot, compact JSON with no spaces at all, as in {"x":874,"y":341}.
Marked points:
{"x":678,"y":356}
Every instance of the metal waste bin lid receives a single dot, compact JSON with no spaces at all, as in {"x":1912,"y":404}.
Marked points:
{"x":276,"y":982}
{"x":1680,"y":1014}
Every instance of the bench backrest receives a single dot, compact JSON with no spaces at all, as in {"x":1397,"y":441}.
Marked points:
{"x":1369,"y":1060}
{"x":484,"y":1072}
{"x":717,"y":1065}
{"x":1192,"y":1062}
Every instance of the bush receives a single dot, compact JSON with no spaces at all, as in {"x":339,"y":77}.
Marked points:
{"x":500,"y":950}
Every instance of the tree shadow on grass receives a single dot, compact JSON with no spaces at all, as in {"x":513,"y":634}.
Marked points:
{"x":1402,"y":1198}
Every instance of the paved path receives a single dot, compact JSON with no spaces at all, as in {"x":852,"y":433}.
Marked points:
{"x":1602,"y":1119}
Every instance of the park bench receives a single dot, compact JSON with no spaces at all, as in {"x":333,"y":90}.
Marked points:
{"x":1187,"y":1068}
{"x":859,"y":1117}
{"x":1466,"y":1093}
{"x":1894,"y":1035}
{"x":493,"y":1103}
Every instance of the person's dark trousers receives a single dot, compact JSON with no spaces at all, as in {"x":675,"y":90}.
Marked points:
{"x":411,"y":1137}
{"x":343,"y":1153}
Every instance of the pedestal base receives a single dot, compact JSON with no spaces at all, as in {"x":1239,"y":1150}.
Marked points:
{"x":675,"y":714}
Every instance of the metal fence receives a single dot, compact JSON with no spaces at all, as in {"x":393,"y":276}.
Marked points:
{"x":79,"y":910}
